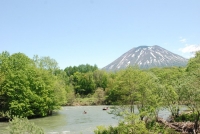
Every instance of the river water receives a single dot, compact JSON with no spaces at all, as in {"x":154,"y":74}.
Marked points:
{"x":71,"y":120}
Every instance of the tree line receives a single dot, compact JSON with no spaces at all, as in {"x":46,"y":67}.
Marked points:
{"x":151,"y":91}
{"x":35,"y":87}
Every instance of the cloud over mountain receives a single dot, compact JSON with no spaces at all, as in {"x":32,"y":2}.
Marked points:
{"x":190,"y":48}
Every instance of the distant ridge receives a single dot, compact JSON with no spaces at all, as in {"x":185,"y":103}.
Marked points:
{"x":147,"y":57}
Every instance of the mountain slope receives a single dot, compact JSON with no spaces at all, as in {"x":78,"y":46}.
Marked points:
{"x":147,"y":57}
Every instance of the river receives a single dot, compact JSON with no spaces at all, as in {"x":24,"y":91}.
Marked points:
{"x":71,"y":120}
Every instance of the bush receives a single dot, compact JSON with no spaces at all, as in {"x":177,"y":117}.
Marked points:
{"x":23,"y":126}
{"x":185,"y":117}
{"x":123,"y":128}
{"x":156,"y":128}
{"x":131,"y":124}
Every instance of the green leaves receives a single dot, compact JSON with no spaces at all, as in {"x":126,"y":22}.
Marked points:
{"x":22,"y":126}
{"x":84,"y":83}
{"x":194,"y":63}
{"x":29,"y":89}
{"x":131,"y":125}
{"x":133,"y":87}
{"x":81,"y":68}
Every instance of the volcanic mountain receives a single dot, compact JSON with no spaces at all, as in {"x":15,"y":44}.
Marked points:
{"x":147,"y":57}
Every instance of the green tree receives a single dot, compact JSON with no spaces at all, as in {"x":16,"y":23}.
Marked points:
{"x":81,"y":68}
{"x":134,"y":87}
{"x":191,"y":86}
{"x":194,"y":63}
{"x":126,"y":87}
{"x":70,"y":94}
{"x":171,"y":80}
{"x":100,"y":78}
{"x":46,"y":63}
{"x":59,"y":77}
{"x":27,"y":90}
{"x":84,"y":83}
{"x":100,"y":95}
{"x":15,"y":89}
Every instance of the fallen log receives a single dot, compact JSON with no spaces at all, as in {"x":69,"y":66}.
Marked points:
{"x":164,"y":122}
{"x":183,"y":127}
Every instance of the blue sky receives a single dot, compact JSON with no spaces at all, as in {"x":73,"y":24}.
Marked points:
{"x":75,"y":32}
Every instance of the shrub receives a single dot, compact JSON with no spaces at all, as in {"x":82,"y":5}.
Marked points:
{"x":185,"y":117}
{"x":23,"y":126}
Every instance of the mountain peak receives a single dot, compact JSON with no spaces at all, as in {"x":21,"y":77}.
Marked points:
{"x":147,"y":57}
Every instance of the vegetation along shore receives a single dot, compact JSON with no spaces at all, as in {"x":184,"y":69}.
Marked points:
{"x":32,"y":88}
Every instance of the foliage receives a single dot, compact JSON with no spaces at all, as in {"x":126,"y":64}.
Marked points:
{"x":100,"y":79}
{"x":87,"y":83}
{"x":46,"y":63}
{"x":81,"y":69}
{"x":156,"y":128}
{"x":86,"y":79}
{"x":59,"y":77}
{"x":185,"y":117}
{"x":171,"y":80}
{"x":135,"y":87}
{"x":133,"y":125}
{"x":191,"y":86}
{"x":194,"y":63}
{"x":100,"y":96}
{"x":23,"y":126}
{"x":27,"y":90}
{"x":36,"y":87}
{"x":95,"y":99}
{"x":130,"y":125}
{"x":70,"y":95}
{"x":83,"y":83}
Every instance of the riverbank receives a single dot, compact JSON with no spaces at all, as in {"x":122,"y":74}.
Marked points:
{"x":68,"y":117}
{"x":86,"y":101}
{"x":71,"y":118}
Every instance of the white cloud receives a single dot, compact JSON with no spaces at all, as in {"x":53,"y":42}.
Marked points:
{"x":190,"y":48}
{"x":182,"y":40}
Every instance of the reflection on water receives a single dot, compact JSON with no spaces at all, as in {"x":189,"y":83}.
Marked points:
{"x":3,"y":127}
{"x":72,"y":120}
